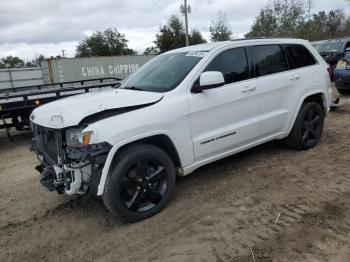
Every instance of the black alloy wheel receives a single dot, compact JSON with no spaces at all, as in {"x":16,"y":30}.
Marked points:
{"x":144,"y":185}
{"x":141,"y":183}
{"x":311,"y":128}
{"x":308,"y":127}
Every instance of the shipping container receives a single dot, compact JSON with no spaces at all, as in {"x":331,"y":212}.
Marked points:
{"x":73,"y":69}
{"x":18,"y":77}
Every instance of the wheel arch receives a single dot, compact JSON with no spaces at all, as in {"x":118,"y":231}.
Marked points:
{"x":317,"y":96}
{"x":161,"y":140}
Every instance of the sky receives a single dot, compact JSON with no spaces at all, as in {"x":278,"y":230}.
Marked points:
{"x":29,"y":28}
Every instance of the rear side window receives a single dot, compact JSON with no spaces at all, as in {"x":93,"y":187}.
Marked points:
{"x":270,"y":59}
{"x":232,"y":63}
{"x":299,"y":56}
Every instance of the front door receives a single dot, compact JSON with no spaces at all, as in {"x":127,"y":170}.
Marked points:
{"x":226,"y":117}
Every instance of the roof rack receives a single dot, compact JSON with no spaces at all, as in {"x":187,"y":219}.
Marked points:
{"x":262,"y":38}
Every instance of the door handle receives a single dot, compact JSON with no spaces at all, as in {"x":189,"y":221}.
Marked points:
{"x":292,"y":78}
{"x":248,"y":89}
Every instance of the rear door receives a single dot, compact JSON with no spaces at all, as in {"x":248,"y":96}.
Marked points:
{"x":284,"y":73}
{"x":305,"y":74}
{"x":274,"y":82}
{"x":226,"y":117}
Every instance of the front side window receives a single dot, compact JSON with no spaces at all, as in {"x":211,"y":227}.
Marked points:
{"x":232,"y":64}
{"x":164,"y":73}
{"x":299,"y":56}
{"x":270,"y":59}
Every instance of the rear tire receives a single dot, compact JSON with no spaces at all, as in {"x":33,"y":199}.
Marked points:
{"x":308,"y":127}
{"x":141,"y":183}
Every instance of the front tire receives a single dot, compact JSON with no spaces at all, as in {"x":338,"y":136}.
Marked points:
{"x":141,"y":183}
{"x":308,"y":127}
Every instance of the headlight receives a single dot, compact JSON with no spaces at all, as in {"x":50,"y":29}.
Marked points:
{"x":76,"y":137}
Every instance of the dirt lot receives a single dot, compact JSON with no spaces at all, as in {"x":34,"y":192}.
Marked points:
{"x":226,"y":211}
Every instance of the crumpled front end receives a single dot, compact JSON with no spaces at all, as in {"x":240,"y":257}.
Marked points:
{"x":64,"y":168}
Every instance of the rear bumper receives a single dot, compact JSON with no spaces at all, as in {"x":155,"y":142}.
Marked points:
{"x":342,"y":79}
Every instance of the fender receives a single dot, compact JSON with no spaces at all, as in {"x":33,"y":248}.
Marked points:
{"x":326,"y":105}
{"x":115,"y":149}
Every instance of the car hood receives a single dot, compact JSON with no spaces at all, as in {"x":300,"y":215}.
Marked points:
{"x":72,"y":110}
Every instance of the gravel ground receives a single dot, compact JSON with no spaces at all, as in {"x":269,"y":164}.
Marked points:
{"x":271,"y":202}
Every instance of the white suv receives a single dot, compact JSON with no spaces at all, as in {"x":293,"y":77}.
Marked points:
{"x":182,"y":110}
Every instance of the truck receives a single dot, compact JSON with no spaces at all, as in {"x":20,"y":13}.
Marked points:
{"x":17,"y":103}
{"x":180,"y":111}
{"x":332,"y":50}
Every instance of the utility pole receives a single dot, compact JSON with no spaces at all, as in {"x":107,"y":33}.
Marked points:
{"x":309,"y":5}
{"x":63,"y":52}
{"x":185,"y":10}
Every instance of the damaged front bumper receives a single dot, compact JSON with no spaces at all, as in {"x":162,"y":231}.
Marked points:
{"x":66,"y":169}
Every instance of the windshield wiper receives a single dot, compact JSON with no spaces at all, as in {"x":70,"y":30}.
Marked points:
{"x":134,"y":88}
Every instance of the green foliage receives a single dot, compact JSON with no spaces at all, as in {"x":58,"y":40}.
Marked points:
{"x":30,"y":64}
{"x":173,"y":35}
{"x":279,"y":18}
{"x":196,"y":37}
{"x":151,"y":50}
{"x":37,"y":61}
{"x":11,"y":62}
{"x":293,"y":18}
{"x":107,"y":43}
{"x":220,"y":30}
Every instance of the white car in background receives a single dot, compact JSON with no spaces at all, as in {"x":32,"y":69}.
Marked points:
{"x":182,"y":110}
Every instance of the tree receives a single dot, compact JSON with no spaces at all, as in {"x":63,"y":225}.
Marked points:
{"x":37,"y":61}
{"x":172,"y":36}
{"x":279,"y":18}
{"x":265,"y":24}
{"x":109,"y":42}
{"x":2,"y":66}
{"x":151,"y":50}
{"x":309,"y":6}
{"x":346,"y":27}
{"x":12,"y":62}
{"x":293,"y":18}
{"x":30,"y":64}
{"x":334,"y":22}
{"x":220,"y":30}
{"x":196,"y":37}
{"x":326,"y":25}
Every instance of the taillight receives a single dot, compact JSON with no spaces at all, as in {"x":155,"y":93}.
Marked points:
{"x":329,"y":72}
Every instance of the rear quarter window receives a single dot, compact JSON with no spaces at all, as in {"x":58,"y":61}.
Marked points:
{"x":299,"y":56}
{"x":270,"y":59}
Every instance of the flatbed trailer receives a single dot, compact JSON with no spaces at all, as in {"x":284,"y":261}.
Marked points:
{"x":16,"y":104}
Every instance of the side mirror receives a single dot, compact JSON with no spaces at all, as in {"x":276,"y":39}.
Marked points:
{"x":347,"y":50}
{"x":209,"y":80}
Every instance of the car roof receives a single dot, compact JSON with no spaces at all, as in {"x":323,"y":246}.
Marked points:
{"x":342,"y":39}
{"x":210,"y":46}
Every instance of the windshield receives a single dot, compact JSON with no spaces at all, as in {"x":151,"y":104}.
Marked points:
{"x":330,"y":47}
{"x":316,"y":46}
{"x":164,"y":72}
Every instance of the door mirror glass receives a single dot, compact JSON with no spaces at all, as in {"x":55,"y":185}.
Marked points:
{"x":209,"y":80}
